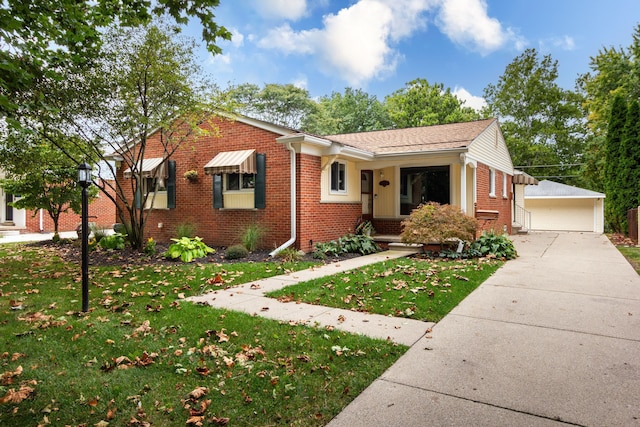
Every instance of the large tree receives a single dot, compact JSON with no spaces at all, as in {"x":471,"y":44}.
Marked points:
{"x":614,"y":208}
{"x":614,"y":71}
{"x":42,"y":39}
{"x":353,"y":111}
{"x":146,"y":83}
{"x":285,"y":105}
{"x":541,"y":121}
{"x":422,"y":104}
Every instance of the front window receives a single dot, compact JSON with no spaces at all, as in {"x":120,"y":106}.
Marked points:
{"x":155,"y":191}
{"x":149,"y":185}
{"x":237,"y":182}
{"x":423,"y":184}
{"x":338,"y":177}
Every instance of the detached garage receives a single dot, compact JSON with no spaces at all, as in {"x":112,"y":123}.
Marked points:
{"x":560,"y":207}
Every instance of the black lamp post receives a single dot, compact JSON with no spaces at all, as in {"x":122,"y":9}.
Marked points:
{"x":84,"y":179}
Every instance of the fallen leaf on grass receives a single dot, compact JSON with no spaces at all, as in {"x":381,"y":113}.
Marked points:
{"x":13,"y":396}
{"x":198,"y":392}
{"x":7,"y":377}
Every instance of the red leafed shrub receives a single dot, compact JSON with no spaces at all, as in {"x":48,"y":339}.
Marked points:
{"x":436,"y":223}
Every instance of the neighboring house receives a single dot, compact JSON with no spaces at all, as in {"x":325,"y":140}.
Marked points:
{"x":560,"y":207}
{"x":101,"y":211}
{"x":303,"y":189}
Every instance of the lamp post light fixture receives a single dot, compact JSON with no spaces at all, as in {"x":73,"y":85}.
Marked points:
{"x":85,"y":179}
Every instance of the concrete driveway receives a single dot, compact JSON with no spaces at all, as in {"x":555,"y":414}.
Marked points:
{"x":552,"y":338}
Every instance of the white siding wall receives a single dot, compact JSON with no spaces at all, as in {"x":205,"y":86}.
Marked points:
{"x":492,"y":149}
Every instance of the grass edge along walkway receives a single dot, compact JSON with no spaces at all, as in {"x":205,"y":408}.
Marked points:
{"x":250,"y":298}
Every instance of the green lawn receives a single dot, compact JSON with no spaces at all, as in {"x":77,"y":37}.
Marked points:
{"x":632,"y":254}
{"x":421,"y":289}
{"x":144,"y":356}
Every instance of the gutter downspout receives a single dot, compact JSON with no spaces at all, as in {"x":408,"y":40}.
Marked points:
{"x":41,"y":222}
{"x":293,"y":203}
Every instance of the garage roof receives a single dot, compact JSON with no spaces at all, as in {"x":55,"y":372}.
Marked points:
{"x":554,"y":190}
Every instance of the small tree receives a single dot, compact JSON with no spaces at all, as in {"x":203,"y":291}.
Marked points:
{"x":41,"y":174}
{"x":433,"y":222}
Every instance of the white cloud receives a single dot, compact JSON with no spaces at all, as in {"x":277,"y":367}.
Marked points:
{"x":356,"y":42}
{"x":301,"y":82}
{"x":237,"y":39}
{"x":475,"y":102}
{"x":564,"y":43}
{"x":466,"y":22}
{"x":290,"y":10}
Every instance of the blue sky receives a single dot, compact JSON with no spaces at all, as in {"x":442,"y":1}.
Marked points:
{"x":379,"y":45}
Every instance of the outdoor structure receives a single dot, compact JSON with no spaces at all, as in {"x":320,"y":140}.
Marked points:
{"x":303,"y":189}
{"x":521,"y":216}
{"x":101,"y":210}
{"x":560,"y":207}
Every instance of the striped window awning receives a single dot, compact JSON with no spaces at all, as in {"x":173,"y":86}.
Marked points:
{"x":522,"y":178}
{"x":242,"y":161}
{"x":150,"y":168}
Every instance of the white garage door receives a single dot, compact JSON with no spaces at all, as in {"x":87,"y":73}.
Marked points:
{"x":561,"y":214}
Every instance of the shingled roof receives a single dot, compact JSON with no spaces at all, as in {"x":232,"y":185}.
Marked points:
{"x":419,"y":139}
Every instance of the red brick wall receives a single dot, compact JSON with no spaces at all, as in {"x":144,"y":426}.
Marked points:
{"x":102,"y":211}
{"x":319,"y":221}
{"x":194,"y":200}
{"x":497,"y":203}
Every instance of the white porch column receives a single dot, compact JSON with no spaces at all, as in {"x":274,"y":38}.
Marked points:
{"x":467,"y":161}
{"x":463,"y":183}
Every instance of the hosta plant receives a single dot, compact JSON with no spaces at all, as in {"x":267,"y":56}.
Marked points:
{"x":188,"y":249}
{"x":498,"y":245}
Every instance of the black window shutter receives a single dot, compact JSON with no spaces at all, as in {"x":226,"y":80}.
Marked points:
{"x":171,"y":184}
{"x":260,"y":190}
{"x":217,"y":192}
{"x":138,"y":197}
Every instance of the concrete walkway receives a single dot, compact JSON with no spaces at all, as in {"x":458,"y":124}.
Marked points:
{"x":250,"y":298}
{"x":552,"y":338}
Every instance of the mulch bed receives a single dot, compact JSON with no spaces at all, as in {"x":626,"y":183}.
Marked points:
{"x":71,"y":250}
{"x":620,"y":240}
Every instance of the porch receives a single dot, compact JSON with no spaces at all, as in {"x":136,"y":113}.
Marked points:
{"x":9,"y":229}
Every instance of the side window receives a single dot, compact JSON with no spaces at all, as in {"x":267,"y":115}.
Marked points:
{"x":504,"y":185}
{"x":492,"y":182}
{"x":338,"y":177}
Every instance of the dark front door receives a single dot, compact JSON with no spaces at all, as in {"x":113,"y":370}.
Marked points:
{"x":8,"y":217}
{"x":366,"y":186}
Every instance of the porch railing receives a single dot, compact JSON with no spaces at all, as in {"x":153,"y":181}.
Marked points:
{"x":522,"y":217}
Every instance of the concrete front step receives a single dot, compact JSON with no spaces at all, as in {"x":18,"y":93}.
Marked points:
{"x":408,"y":247}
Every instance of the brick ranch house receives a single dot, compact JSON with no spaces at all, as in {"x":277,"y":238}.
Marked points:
{"x":303,"y":189}
{"x":102,"y":212}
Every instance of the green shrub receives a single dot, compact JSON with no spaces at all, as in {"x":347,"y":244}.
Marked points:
{"x":98,"y":232}
{"x":252,"y":237}
{"x":120,"y":228}
{"x":350,"y":243}
{"x":289,"y":255}
{"x":186,"y":229}
{"x":115,"y":242}
{"x":436,"y":223}
{"x":188,"y":249}
{"x":365,"y":227}
{"x":498,"y":245}
{"x":150,"y":247}
{"x":236,"y":252}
